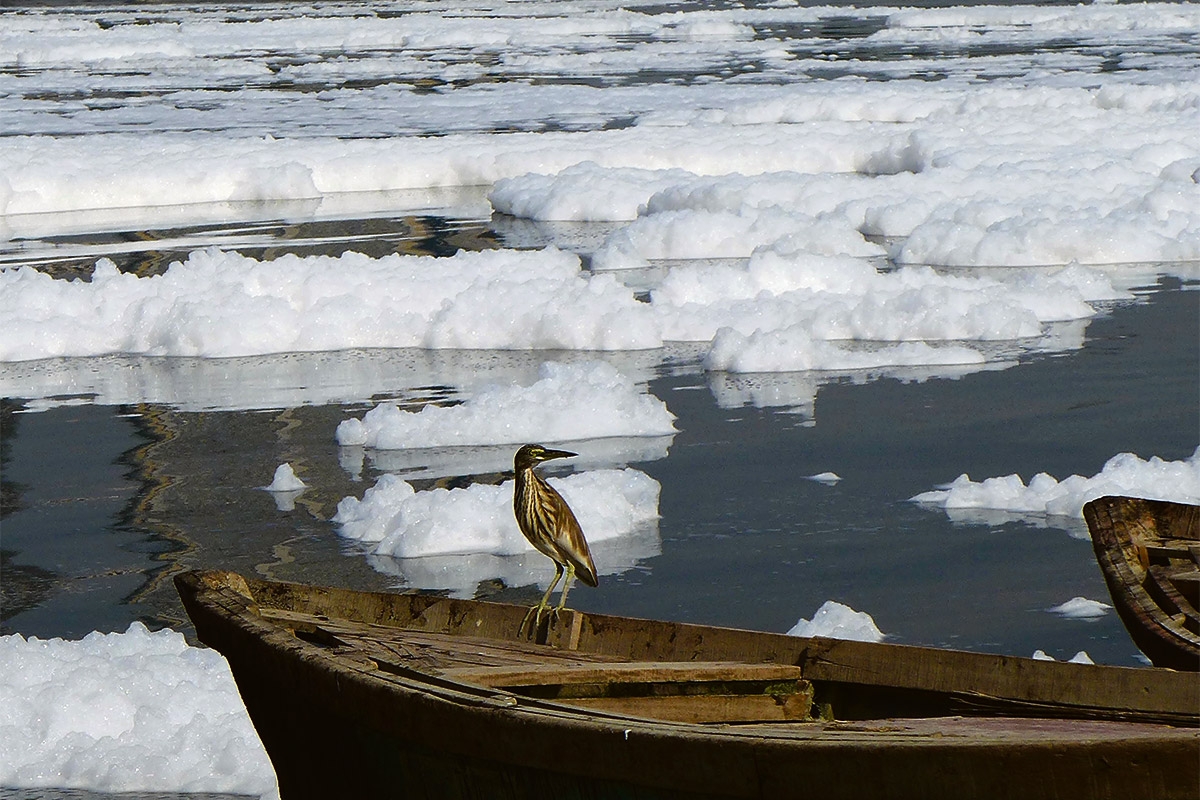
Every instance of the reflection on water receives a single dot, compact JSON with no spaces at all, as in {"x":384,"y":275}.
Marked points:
{"x":429,"y":222}
{"x":992,"y":518}
{"x":286,"y":380}
{"x":424,"y":464}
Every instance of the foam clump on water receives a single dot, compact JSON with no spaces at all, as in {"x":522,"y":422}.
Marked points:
{"x":839,"y":621}
{"x":1123,"y":474}
{"x":125,"y":712}
{"x":567,"y":402}
{"x":1081,"y":608}
{"x":584,"y":192}
{"x":1081,"y":657}
{"x":787,"y":309}
{"x":220,"y":304}
{"x":835,"y":297}
{"x":396,"y":520}
{"x":285,"y":480}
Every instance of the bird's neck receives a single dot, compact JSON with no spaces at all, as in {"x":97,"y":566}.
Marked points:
{"x":526,"y":475}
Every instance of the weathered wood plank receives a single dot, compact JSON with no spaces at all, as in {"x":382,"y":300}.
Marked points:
{"x":628,"y":672}
{"x":702,"y":709}
{"x":1188,"y":585}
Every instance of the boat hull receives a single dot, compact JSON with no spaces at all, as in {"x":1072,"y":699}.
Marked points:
{"x":335,"y":727}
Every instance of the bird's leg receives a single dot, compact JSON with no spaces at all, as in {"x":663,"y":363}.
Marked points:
{"x":541,"y":607}
{"x":562,"y":601}
{"x":537,"y":611}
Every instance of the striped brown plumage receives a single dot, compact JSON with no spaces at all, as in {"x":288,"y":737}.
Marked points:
{"x":550,"y":526}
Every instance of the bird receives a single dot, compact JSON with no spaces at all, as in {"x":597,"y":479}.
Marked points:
{"x":550,"y":526}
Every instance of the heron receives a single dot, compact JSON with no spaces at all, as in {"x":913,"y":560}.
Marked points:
{"x":550,"y":526}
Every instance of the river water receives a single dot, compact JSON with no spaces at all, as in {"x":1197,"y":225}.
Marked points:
{"x":118,"y":472}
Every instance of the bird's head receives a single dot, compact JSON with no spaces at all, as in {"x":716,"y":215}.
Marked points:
{"x":531,"y":455}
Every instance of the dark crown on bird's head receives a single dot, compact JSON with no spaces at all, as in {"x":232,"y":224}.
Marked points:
{"x":531,"y":455}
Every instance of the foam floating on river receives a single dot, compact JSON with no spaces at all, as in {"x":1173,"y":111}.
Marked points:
{"x":220,"y":304}
{"x":1081,"y":657}
{"x":1081,"y":608}
{"x":839,"y":621}
{"x":568,"y":402}
{"x":1123,"y":474}
{"x":125,"y":712}
{"x":394,"y":519}
{"x":285,"y":480}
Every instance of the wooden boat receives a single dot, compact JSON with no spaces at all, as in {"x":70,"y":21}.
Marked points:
{"x":1149,"y":552}
{"x":360,"y":694}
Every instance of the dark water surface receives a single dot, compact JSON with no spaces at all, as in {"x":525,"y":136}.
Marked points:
{"x":149,"y":466}
{"x":119,"y":472}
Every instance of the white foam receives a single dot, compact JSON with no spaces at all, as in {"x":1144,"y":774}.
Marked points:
{"x":568,"y":402}
{"x":839,"y":621}
{"x":584,"y":192}
{"x":1123,"y":474}
{"x":394,"y":520}
{"x":783,"y":305}
{"x":1081,"y":608}
{"x":1079,"y":658}
{"x":125,"y":712}
{"x":285,"y":480}
{"x":224,"y":304}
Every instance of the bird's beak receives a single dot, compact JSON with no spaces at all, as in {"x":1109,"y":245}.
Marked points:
{"x":549,"y":454}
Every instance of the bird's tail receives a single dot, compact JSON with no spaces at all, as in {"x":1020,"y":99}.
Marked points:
{"x":585,"y":570}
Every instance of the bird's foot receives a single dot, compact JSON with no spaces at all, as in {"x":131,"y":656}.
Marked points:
{"x":536,"y":613}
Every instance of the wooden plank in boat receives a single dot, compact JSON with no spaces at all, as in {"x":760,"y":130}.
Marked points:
{"x":630,"y":672}
{"x":1188,"y":585}
{"x":707,"y":692}
{"x":406,"y":648}
{"x":702,"y":709}
{"x":1160,"y":551}
{"x":700,"y":692}
{"x":1164,"y":592}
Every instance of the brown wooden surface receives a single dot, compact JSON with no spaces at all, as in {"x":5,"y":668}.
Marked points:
{"x":629,"y":672}
{"x":895,"y":680}
{"x":697,"y":692}
{"x":337,"y":723}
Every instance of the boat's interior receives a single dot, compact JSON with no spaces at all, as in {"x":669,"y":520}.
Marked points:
{"x":684,"y":691}
{"x":659,"y":670}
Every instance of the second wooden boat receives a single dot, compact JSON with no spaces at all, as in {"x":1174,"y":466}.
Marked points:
{"x":1149,"y":552}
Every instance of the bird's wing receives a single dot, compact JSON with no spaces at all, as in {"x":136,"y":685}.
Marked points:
{"x":568,"y":539}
